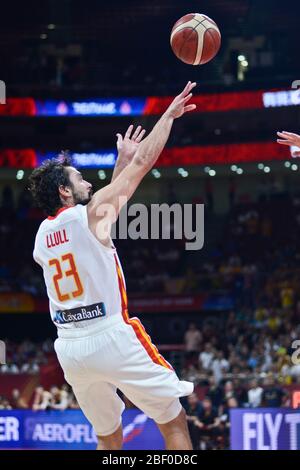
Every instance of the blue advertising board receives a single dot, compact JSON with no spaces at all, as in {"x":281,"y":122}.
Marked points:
{"x":96,"y":159}
{"x":70,"y":430}
{"x":92,"y":107}
{"x":265,"y":429}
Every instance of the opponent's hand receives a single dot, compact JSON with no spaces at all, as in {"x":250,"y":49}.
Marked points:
{"x":128,"y":145}
{"x":179,"y":105}
{"x":289,"y":138}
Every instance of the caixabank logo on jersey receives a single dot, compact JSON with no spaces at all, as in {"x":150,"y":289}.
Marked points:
{"x":80,"y":313}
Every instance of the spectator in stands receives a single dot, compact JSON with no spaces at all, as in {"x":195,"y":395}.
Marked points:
{"x":42,"y":399}
{"x":192,"y":340}
{"x":273,"y":396}
{"x":225,"y":422}
{"x":239,"y":388}
{"x":17,"y":401}
{"x":206,"y":356}
{"x":228,"y":390}
{"x":9,"y":368}
{"x":4,"y":403}
{"x":219,"y":366}
{"x":59,"y":398}
{"x":215,"y":392}
{"x":208,"y":423}
{"x":255,"y":394}
{"x":193,"y":413}
{"x":30,"y":367}
{"x":287,"y":295}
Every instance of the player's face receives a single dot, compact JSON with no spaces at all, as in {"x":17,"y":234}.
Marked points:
{"x":81,"y":190}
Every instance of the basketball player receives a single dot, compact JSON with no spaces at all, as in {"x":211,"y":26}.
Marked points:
{"x":99,"y":347}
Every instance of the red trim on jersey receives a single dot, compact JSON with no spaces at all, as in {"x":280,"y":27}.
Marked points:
{"x":58,"y":212}
{"x":137,"y":326}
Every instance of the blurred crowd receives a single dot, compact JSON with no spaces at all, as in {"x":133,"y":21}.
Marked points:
{"x":56,"y":398}
{"x":26,"y":357}
{"x":240,"y":348}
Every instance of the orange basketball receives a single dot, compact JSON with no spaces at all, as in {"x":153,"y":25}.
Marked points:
{"x":195,"y":39}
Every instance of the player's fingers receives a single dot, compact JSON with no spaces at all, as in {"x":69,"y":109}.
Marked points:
{"x":128,"y":132}
{"x":190,"y":107}
{"x":296,"y":153}
{"x":136,"y":132}
{"x":140,"y":136}
{"x":188,"y":88}
{"x":119,"y":141}
{"x":284,"y":142}
{"x":185,"y":90}
{"x":187,"y":98}
{"x":192,"y":85}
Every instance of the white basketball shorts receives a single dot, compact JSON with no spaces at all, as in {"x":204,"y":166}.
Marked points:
{"x":118,"y":354}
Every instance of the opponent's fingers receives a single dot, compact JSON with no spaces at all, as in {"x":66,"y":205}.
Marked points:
{"x":284,"y":142}
{"x":128,"y":132}
{"x":283,"y":135}
{"x":136,"y":132}
{"x":287,"y":134}
{"x":140,"y":136}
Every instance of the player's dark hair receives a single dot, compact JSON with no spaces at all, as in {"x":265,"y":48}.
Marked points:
{"x":45,"y":180}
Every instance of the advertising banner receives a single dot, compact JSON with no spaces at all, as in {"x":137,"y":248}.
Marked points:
{"x":70,"y":430}
{"x":151,"y":105}
{"x":96,"y":107}
{"x":176,"y":156}
{"x":265,"y":429}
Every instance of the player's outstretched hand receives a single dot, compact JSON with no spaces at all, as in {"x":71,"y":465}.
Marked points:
{"x":289,"y":138}
{"x":128,"y":145}
{"x":179,"y":105}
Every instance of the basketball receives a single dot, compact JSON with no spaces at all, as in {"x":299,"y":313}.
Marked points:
{"x":195,"y":39}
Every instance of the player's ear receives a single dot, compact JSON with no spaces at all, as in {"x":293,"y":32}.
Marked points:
{"x":64,"y":191}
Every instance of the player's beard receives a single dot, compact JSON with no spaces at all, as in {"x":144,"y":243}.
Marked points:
{"x":79,"y":198}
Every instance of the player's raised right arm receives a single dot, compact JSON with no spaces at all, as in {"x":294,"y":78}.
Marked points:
{"x":121,"y":189}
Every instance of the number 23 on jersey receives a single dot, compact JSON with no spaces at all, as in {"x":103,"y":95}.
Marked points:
{"x":66,"y":261}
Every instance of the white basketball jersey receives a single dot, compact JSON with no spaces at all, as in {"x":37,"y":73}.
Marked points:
{"x":80,"y":273}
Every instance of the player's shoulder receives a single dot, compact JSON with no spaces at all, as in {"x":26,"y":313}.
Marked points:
{"x":63,"y":215}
